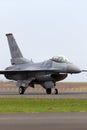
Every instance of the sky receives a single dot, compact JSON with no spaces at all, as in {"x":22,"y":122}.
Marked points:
{"x":45,"y":28}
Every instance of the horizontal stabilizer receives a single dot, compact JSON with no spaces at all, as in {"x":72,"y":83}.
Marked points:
{"x":84,"y":71}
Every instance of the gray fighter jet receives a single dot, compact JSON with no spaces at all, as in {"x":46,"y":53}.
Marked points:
{"x":27,"y":73}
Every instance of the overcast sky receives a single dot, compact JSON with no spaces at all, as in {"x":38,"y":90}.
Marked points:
{"x":45,"y":28}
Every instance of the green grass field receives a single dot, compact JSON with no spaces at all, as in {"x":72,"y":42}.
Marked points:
{"x":13,"y":105}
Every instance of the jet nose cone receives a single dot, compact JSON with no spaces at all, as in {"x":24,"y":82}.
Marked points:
{"x":73,"y":69}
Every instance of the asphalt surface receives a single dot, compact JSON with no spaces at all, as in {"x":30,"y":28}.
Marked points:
{"x":39,"y":95}
{"x":44,"y":121}
{"x":79,"y":95}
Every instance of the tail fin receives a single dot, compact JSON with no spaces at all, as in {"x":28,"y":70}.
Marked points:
{"x":16,"y":55}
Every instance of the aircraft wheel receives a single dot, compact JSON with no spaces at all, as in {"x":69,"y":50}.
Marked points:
{"x":48,"y":90}
{"x":56,"y":91}
{"x":21,"y":90}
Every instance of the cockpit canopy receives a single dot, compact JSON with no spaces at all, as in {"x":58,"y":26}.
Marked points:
{"x":60,"y":59}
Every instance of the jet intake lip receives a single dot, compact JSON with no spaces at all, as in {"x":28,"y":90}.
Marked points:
{"x":73,"y":69}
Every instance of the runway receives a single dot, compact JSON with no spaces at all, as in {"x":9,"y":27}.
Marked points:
{"x":44,"y":121}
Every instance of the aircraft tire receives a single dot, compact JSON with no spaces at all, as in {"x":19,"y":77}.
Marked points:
{"x":56,"y":91}
{"x":48,"y":90}
{"x":21,"y":90}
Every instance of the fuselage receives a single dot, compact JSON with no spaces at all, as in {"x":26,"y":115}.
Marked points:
{"x":61,"y":70}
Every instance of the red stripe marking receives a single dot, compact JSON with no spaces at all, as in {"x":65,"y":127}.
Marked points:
{"x":9,"y":34}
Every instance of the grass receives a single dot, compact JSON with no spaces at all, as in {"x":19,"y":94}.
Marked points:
{"x":13,"y":105}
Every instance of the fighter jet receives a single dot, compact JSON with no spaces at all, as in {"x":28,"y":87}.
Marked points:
{"x":27,"y":73}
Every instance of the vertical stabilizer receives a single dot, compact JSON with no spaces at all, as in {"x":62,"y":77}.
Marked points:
{"x":16,"y":55}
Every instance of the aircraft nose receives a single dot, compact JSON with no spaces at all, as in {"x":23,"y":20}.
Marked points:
{"x":73,"y":69}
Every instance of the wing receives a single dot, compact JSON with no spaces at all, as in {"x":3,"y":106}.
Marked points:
{"x":12,"y":72}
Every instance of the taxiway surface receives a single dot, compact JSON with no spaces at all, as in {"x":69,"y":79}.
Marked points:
{"x":44,"y":121}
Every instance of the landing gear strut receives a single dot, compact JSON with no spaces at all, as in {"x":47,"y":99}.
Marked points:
{"x":21,"y":90}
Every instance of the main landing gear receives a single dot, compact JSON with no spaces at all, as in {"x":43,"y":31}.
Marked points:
{"x":56,"y":91}
{"x":49,"y":91}
{"x":21,"y":90}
